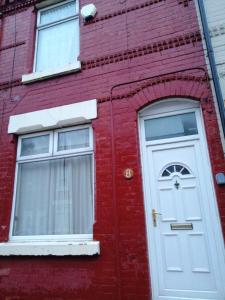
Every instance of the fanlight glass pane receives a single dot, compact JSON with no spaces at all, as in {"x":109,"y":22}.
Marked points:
{"x":175,"y":169}
{"x":166,"y":173}
{"x":54,"y":197}
{"x":73,"y":139}
{"x":171,"y":169}
{"x":57,"y":13}
{"x":185,"y":171}
{"x":178,"y":168}
{"x":57,"y":46}
{"x":170,"y":127}
{"x":35,"y":145}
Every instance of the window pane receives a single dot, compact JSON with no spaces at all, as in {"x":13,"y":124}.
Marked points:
{"x":185,"y":172}
{"x":35,"y":145}
{"x":165,"y":174}
{"x":73,"y":139}
{"x":58,"y":13}
{"x":170,"y":127}
{"x":178,"y":168}
{"x":57,"y":46}
{"x":175,"y":169}
{"x":54,"y":197}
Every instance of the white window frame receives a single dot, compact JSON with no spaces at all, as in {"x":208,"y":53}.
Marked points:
{"x":68,"y":68}
{"x":174,"y":139}
{"x":40,"y":27}
{"x":50,"y":156}
{"x":58,"y":152}
{"x":28,"y":157}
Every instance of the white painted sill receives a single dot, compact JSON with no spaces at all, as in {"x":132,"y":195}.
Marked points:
{"x":88,"y":248}
{"x":36,"y":76}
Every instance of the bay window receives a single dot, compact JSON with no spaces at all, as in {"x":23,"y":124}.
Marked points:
{"x":53,"y":197}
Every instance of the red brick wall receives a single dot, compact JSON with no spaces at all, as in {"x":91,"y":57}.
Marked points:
{"x":126,"y":42}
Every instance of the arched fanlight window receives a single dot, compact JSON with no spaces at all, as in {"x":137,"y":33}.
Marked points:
{"x":175,"y":168}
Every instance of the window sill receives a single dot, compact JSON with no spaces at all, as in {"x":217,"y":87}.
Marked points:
{"x":88,"y":248}
{"x":36,"y":76}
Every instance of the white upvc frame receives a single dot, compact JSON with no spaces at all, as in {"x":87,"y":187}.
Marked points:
{"x":174,"y":139}
{"x":28,"y":157}
{"x":53,"y":155}
{"x":76,"y":150}
{"x":40,"y":27}
{"x":53,"y":142}
{"x":160,"y":178}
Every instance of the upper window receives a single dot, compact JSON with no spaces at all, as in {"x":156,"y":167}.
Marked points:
{"x":54,"y":185}
{"x":57,"y":38}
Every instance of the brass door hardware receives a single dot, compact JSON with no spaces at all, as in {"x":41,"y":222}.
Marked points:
{"x":154,"y":217}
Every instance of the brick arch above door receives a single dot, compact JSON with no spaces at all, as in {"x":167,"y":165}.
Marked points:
{"x":128,"y":102}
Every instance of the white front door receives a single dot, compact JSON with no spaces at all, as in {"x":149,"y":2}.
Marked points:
{"x":185,"y":244}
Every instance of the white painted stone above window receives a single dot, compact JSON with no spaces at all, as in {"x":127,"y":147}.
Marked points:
{"x":60,"y":116}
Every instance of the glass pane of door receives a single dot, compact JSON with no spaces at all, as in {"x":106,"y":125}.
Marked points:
{"x":170,"y":127}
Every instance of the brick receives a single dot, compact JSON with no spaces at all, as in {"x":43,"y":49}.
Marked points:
{"x":121,"y":46}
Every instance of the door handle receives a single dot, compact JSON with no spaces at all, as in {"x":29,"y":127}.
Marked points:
{"x":154,"y":217}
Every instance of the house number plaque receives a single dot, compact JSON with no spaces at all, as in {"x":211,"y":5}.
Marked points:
{"x":128,"y":173}
{"x":180,"y":226}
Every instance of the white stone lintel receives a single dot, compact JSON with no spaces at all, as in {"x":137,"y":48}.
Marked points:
{"x":60,"y":116}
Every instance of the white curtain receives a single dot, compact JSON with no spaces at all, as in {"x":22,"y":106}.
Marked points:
{"x":73,"y":139}
{"x":57,"y":46}
{"x":54,"y":197}
{"x":57,"y":43}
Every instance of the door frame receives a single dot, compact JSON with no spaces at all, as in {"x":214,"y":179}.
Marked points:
{"x":175,"y":106}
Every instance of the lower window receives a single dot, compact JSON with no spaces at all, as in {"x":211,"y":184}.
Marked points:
{"x":54,"y":186}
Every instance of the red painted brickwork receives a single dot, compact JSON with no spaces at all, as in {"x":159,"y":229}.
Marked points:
{"x":121,"y":271}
